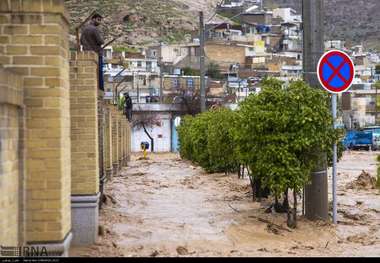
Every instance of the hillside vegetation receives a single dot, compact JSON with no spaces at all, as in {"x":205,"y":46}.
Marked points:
{"x":174,"y":20}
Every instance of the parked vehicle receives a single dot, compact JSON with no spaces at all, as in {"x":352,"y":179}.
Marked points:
{"x":375,"y":136}
{"x":356,"y":140}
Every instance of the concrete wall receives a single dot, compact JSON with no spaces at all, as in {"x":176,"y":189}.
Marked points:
{"x":161,"y":135}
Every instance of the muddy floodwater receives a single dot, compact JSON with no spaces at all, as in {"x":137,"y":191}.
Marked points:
{"x":165,"y":206}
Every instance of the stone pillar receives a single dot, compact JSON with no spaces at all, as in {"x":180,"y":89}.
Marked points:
{"x":108,"y":142}
{"x":129,"y":141}
{"x":115,"y":136}
{"x":84,"y":149}
{"x":120,"y":139}
{"x":34,"y":44}
{"x":124,"y":140}
{"x":11,"y":172}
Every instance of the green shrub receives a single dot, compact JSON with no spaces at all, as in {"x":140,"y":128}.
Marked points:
{"x":278,"y":134}
{"x":207,"y":140}
{"x":220,"y":141}
{"x":378,"y":172}
{"x":184,"y":138}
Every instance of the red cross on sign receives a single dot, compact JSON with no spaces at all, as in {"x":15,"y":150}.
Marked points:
{"x":336,"y":71}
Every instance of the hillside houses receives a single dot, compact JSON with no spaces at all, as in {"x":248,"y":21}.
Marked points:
{"x":255,"y":44}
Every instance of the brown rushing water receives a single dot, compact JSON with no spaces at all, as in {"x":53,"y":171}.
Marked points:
{"x":168,"y":207}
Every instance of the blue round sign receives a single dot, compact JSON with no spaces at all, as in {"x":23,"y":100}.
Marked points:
{"x":336,"y":71}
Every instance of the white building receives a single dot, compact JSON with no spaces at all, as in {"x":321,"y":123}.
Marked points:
{"x":162,"y":127}
{"x":334,"y":44}
{"x":289,"y":15}
{"x":135,"y":73}
{"x":232,"y":3}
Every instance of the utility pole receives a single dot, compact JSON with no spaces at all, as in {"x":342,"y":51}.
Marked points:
{"x":316,"y":194}
{"x":138,"y":87}
{"x":161,"y":73}
{"x":202,"y":61}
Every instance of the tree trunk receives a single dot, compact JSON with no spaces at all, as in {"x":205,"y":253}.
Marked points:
{"x":292,"y":213}
{"x":150,"y":137}
{"x":295,"y":207}
{"x":253,"y":188}
{"x":285,"y":204}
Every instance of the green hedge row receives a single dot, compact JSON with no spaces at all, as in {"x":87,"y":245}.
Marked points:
{"x":277,"y":134}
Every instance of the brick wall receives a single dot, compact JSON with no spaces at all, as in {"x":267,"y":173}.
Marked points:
{"x":115,"y":136}
{"x":225,"y":55}
{"x":34,"y":44}
{"x":84,"y":124}
{"x":11,"y":101}
{"x":108,"y":141}
{"x":120,"y":138}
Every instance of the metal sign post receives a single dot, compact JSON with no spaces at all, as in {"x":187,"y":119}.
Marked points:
{"x":336,"y":72}
{"x":335,"y":160}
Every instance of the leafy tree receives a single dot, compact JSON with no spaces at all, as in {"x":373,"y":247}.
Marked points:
{"x":281,"y":129}
{"x":191,"y":72}
{"x":275,"y":134}
{"x":213,"y":71}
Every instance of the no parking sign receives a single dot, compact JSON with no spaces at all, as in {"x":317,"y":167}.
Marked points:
{"x":336,"y":71}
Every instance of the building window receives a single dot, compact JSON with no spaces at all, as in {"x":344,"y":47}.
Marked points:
{"x":139,"y":64}
{"x":190,"y":83}
{"x":175,"y":83}
{"x":149,"y":66}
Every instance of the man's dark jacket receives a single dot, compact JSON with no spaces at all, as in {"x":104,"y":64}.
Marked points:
{"x":128,"y":103}
{"x":91,"y":39}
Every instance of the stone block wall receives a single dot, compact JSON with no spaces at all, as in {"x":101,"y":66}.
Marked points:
{"x":49,"y":150}
{"x":115,"y":144}
{"x":34,"y":44}
{"x":11,"y":171}
{"x":108,"y":141}
{"x":84,"y":124}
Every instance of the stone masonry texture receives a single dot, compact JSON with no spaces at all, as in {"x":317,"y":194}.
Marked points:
{"x":84,"y":123}
{"x":34,"y":45}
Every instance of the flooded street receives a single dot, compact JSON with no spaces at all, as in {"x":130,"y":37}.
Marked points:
{"x":165,"y":206}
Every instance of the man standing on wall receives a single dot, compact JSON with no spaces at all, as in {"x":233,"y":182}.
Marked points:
{"x":91,"y":40}
{"x":128,"y":106}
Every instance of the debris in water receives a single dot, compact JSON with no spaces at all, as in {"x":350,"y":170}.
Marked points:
{"x":138,"y":174}
{"x":101,"y":230}
{"x":361,"y":239}
{"x":272,"y":229}
{"x":364,"y":182}
{"x":355,"y":217}
{"x":182,"y":251}
{"x":359,"y":202}
{"x":154,"y":254}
